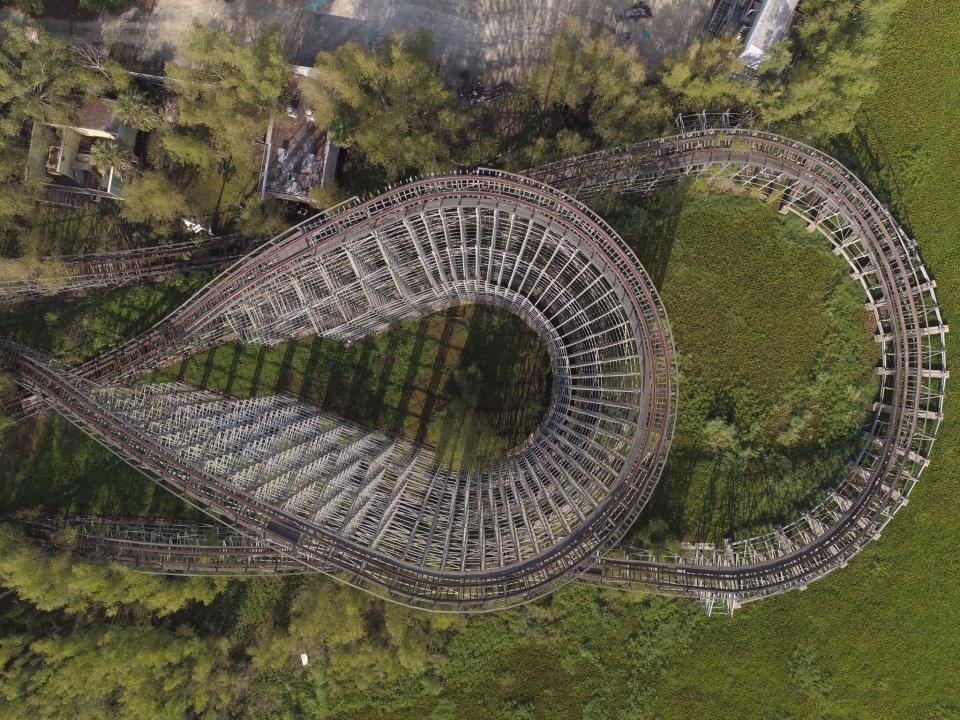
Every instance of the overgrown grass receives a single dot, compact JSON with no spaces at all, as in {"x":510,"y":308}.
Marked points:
{"x":76,"y":330}
{"x":775,"y":355}
{"x":877,"y":639}
{"x":47,"y":465}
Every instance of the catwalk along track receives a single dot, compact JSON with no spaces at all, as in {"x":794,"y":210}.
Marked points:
{"x":80,"y":274}
{"x":385,"y":512}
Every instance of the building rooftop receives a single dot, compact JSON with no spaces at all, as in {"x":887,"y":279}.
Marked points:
{"x":770,"y":26}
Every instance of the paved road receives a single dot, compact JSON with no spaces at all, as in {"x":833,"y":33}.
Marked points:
{"x":493,"y":40}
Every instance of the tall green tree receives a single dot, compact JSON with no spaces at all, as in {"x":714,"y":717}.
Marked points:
{"x":600,"y":88}
{"x":838,"y":43}
{"x":108,"y":155}
{"x":136,"y":110}
{"x":228,"y":90}
{"x":388,"y":103}
{"x":709,"y":75}
{"x":153,"y":198}
{"x":52,"y":581}
{"x":39,"y":79}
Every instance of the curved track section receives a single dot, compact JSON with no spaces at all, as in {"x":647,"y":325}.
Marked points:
{"x":909,"y":326}
{"x":900,"y":294}
{"x":380,"y":508}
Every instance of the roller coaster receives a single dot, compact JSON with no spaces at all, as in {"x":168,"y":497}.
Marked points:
{"x":300,"y":488}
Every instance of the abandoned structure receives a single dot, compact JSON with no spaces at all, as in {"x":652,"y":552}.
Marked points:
{"x":60,"y":155}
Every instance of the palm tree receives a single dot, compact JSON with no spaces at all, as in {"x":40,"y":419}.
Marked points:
{"x":107,"y":154}
{"x":134,"y":109}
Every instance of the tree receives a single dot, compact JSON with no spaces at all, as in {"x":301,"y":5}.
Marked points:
{"x":112,"y":75}
{"x":153,"y":199}
{"x":134,"y":109}
{"x":188,"y":148}
{"x":598,"y":87}
{"x":16,"y":196}
{"x":53,"y":581}
{"x":388,"y":103}
{"x":566,"y":143}
{"x":109,"y":155}
{"x":39,"y":79}
{"x":709,"y":75}
{"x":839,"y":43}
{"x":227,"y":90}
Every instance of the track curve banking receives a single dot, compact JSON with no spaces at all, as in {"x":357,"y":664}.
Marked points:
{"x":909,"y":326}
{"x":381,"y":508}
{"x":553,"y":508}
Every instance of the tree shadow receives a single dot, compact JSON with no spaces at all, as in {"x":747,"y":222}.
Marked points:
{"x":648,"y":224}
{"x":469,"y":382}
{"x":867,"y":156}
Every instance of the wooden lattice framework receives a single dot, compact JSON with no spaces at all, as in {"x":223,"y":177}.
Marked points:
{"x":438,"y":242}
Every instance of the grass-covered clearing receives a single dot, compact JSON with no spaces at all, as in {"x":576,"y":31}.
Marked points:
{"x":775,"y":354}
{"x":471,"y":382}
{"x":878,"y":639}
{"x":46,"y":464}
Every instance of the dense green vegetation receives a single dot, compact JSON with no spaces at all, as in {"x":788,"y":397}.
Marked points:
{"x":46,"y":465}
{"x":202,"y":158}
{"x":81,"y":329}
{"x":776,"y":358}
{"x":874,"y":640}
{"x":58,"y":582}
{"x":390,"y":106}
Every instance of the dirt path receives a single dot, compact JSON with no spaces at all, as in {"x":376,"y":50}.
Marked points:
{"x":493,"y":40}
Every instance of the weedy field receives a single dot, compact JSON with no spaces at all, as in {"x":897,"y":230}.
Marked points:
{"x":877,"y":639}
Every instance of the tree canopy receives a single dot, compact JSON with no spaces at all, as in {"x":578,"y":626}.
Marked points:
{"x":38,"y":81}
{"x":709,"y":75}
{"x":39,"y":78}
{"x":389,"y":104}
{"x":227,"y":90}
{"x":591,"y":76}
{"x":153,"y":198}
{"x":598,"y":87}
{"x":838,"y":44}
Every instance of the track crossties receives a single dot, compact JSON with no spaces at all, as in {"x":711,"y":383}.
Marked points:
{"x":383,"y":510}
{"x":913,"y":371}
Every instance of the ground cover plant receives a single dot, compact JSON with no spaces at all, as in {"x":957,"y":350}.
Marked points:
{"x":472,"y":382}
{"x":870,"y":641}
{"x":47,"y":465}
{"x":776,"y":358}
